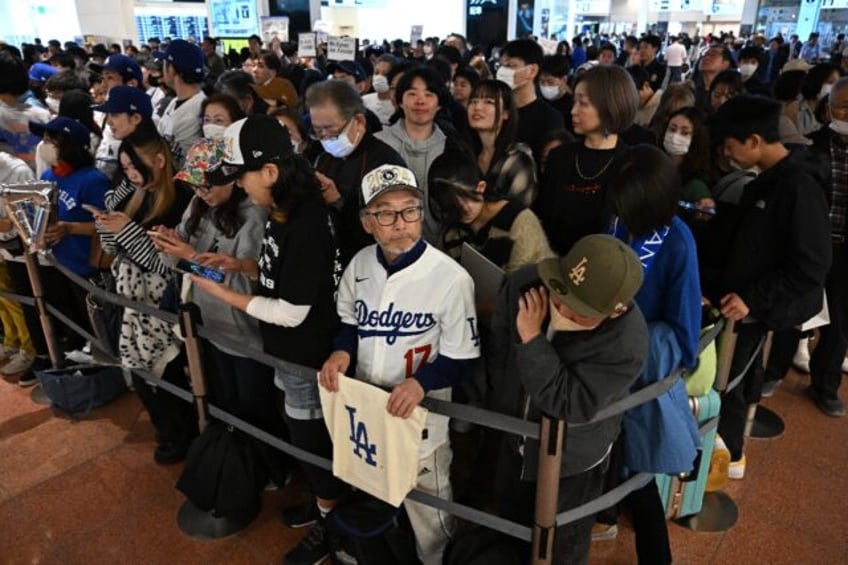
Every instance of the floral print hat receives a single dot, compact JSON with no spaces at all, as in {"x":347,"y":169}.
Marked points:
{"x":202,"y":156}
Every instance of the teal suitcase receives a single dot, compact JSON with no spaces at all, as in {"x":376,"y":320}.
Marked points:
{"x":683,"y":497}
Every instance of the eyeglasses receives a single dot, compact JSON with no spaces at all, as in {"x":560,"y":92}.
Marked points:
{"x":202,"y":188}
{"x":327,"y":133}
{"x":388,"y":218}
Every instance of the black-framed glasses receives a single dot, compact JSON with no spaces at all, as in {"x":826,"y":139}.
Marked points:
{"x":388,"y":218}
{"x":202,"y":188}
{"x":325,"y":133}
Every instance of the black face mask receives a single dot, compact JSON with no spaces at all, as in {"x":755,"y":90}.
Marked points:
{"x":154,"y":81}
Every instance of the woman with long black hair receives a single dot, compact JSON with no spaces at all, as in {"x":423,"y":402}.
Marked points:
{"x":299,"y":269}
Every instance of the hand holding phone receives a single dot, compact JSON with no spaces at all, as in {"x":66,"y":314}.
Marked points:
{"x":192,"y":268}
{"x":92,"y":209}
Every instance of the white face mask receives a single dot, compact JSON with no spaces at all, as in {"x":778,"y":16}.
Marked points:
{"x":48,"y":153}
{"x":380,"y":84}
{"x":839,"y":126}
{"x":52,"y":105}
{"x":339,"y":147}
{"x":825,"y":90}
{"x":549,"y":92}
{"x":677,"y":144}
{"x":562,"y":324}
{"x":747,"y":70}
{"x":213,"y":131}
{"x":506,"y":76}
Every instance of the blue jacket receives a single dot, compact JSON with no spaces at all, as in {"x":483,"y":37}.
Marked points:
{"x":661,"y":436}
{"x":84,"y":186}
{"x":671,"y":291}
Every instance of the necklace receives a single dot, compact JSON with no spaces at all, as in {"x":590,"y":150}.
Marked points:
{"x":590,"y":177}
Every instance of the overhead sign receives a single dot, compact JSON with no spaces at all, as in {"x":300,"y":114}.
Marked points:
{"x":306,"y":45}
{"x":592,"y":7}
{"x":834,"y":4}
{"x":234,"y":18}
{"x":341,"y":48}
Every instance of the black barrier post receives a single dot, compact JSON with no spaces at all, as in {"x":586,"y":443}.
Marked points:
{"x":551,"y":446}
{"x":718,"y":512}
{"x":764,"y":423}
{"x":194,"y":522}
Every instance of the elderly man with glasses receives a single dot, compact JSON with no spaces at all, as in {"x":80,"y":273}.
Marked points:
{"x":409,"y":321}
{"x":350,"y":152}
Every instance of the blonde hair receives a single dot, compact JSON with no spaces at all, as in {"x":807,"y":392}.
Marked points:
{"x":165,"y":193}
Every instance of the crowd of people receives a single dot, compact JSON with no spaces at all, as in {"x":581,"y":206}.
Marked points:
{"x":629,"y":188}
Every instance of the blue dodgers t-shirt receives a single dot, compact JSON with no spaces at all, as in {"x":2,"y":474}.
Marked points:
{"x":85,"y":186}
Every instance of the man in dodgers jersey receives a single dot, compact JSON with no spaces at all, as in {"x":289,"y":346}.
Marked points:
{"x":409,"y":322}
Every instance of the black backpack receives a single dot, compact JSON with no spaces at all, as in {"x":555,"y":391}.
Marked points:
{"x":482,"y":546}
{"x":367,"y":531}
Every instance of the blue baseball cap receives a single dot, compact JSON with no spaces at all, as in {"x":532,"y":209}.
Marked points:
{"x":40,"y":72}
{"x":124,"y":66}
{"x":126,"y":100}
{"x":78,"y":133}
{"x":185,"y":57}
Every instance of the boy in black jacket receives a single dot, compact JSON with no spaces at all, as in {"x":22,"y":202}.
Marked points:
{"x":779,"y":252}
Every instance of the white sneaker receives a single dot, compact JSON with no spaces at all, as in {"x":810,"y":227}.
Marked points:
{"x":736,"y":469}
{"x":801,"y":360}
{"x":79,"y":357}
{"x":19,"y":362}
{"x":6,"y":353}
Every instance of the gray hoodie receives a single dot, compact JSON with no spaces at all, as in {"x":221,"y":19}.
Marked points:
{"x":418,"y":156}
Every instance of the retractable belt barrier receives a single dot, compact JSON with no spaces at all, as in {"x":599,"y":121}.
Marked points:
{"x":472,"y":414}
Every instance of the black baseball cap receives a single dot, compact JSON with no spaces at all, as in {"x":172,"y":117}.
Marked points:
{"x":250,"y":143}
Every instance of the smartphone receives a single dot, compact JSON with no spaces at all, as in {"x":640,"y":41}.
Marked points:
{"x":160,"y":236}
{"x":197,"y":269}
{"x":92,"y":209}
{"x":686,"y":205}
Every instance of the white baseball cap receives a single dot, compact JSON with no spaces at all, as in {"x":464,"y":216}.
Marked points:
{"x":386,"y":178}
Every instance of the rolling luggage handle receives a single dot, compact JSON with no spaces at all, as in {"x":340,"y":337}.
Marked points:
{"x":552,"y":445}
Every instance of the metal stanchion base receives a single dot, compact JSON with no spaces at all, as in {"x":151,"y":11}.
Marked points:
{"x":766,"y":424}
{"x":38,"y":395}
{"x":201,"y":525}
{"x":718,"y":514}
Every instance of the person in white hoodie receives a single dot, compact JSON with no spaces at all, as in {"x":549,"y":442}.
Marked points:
{"x":420,"y":95}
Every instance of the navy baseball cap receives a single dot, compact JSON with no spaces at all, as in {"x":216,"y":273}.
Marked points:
{"x":126,"y":100}
{"x":78,"y":133}
{"x":350,"y":67}
{"x":124,"y":66}
{"x":250,"y":143}
{"x":185,"y":57}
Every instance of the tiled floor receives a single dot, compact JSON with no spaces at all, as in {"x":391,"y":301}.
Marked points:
{"x":88,"y":492}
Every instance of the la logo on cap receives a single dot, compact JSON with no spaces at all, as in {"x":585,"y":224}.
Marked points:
{"x":578,"y":273}
{"x":256,"y":153}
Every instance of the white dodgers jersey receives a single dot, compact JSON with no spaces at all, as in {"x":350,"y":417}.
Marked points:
{"x":407,"y":320}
